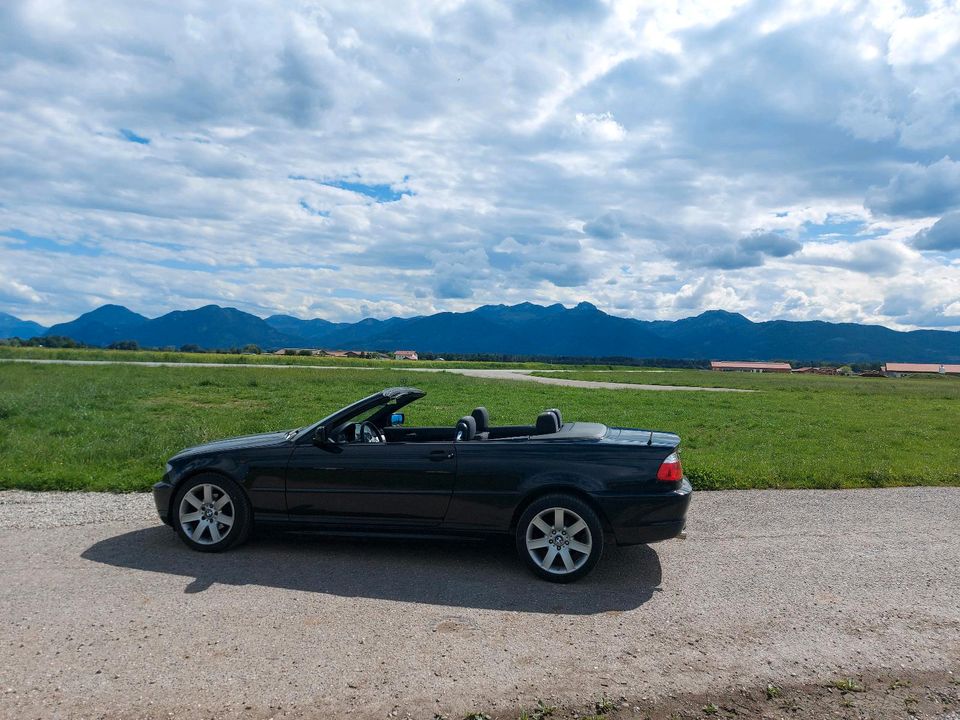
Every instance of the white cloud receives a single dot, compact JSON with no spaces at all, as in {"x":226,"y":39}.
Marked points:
{"x":925,"y":39}
{"x":655,"y":159}
{"x":599,"y":126}
{"x":15,"y":292}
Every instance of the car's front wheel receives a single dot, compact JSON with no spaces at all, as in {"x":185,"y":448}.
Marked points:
{"x":211,"y":513}
{"x":560,"y":538}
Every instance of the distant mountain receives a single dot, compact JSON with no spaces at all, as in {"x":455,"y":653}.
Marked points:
{"x":102,"y":326}
{"x":11,"y":326}
{"x":721,"y":335}
{"x":210,"y":326}
{"x":525,"y":329}
{"x":585,"y":331}
{"x":313,"y":332}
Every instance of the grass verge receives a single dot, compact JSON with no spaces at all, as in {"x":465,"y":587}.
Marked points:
{"x":112,"y":427}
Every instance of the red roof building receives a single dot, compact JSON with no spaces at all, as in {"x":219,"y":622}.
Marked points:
{"x":759,"y":367}
{"x":922,"y":368}
{"x":405,"y":355}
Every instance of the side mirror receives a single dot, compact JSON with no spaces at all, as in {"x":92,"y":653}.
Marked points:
{"x":320,"y":437}
{"x":396,"y":419}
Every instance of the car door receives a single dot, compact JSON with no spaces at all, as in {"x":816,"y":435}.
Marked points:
{"x":402,"y":484}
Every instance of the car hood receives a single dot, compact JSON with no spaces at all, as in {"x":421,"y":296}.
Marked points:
{"x":237,"y":443}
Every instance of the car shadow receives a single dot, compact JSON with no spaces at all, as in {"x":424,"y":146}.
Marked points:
{"x":474,"y":574}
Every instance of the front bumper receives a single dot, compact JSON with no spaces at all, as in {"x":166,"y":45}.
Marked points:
{"x":162,"y":492}
{"x":647,"y":518}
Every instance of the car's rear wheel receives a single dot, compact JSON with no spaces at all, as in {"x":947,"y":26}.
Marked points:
{"x":211,"y":513}
{"x":559,"y":537}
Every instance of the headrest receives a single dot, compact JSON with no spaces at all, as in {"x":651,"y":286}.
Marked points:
{"x":482,"y":417}
{"x":557,"y":413}
{"x":547,"y":423}
{"x":466,"y":428}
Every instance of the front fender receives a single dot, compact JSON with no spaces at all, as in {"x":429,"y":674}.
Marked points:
{"x":177,"y":473}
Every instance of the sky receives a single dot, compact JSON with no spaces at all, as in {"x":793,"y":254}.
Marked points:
{"x":791,"y":161}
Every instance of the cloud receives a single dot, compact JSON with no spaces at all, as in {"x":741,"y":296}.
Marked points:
{"x":302,"y":95}
{"x":867,"y":118}
{"x":706,"y":292}
{"x":734,"y":258}
{"x":942,"y":235}
{"x":16,"y":293}
{"x":909,"y":303}
{"x":562,"y":275}
{"x":599,"y":126}
{"x":771,"y":244}
{"x":748,"y":252}
{"x":452,"y":288}
{"x":918,"y":190}
{"x":870,"y":257}
{"x":660,"y":159}
{"x":606,"y":226}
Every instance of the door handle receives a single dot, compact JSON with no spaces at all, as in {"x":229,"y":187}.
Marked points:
{"x":437,"y":455}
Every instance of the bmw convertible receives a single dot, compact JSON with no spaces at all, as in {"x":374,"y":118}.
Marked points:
{"x":560,"y":489}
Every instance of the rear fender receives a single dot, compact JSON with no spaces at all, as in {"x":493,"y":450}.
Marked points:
{"x":551,"y":485}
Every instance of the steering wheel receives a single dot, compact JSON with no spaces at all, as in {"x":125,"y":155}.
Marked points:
{"x":370,"y":433}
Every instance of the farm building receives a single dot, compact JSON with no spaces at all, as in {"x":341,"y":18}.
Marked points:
{"x":405,"y":355}
{"x":341,"y":353}
{"x":321,"y":353}
{"x":757,"y":367}
{"x":897,"y":369}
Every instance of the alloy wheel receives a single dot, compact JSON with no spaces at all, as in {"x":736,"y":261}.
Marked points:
{"x":559,"y":540}
{"x":206,"y":514}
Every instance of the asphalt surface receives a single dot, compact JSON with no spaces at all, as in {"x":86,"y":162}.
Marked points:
{"x":106,"y":614}
{"x":521,"y":375}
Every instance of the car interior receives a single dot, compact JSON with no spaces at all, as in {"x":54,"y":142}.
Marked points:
{"x":385,"y":425}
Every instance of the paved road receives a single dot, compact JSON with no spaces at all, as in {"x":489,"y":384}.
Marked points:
{"x":525,"y":376}
{"x":107,"y":613}
{"x":522,"y":375}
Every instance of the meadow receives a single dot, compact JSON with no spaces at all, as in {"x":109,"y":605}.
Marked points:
{"x":175,"y":356}
{"x":112,"y":427}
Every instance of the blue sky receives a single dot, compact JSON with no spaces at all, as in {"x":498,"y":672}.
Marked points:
{"x":342,"y":160}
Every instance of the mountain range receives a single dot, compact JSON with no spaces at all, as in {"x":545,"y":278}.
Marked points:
{"x":524,"y":329}
{"x":11,"y":326}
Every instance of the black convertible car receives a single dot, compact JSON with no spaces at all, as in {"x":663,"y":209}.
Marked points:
{"x":558,"y":487}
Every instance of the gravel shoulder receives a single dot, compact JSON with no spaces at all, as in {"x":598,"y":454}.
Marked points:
{"x":107,"y":614}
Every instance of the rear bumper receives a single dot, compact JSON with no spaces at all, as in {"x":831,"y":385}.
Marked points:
{"x":161,"y":496}
{"x":648,"y":518}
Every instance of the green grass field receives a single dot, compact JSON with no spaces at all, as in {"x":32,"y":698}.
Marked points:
{"x":112,"y":427}
{"x":39,"y":353}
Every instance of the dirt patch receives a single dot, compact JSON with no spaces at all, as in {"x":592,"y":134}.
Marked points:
{"x":879,"y":695}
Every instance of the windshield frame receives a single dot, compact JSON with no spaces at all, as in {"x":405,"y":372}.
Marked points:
{"x":399,"y":395}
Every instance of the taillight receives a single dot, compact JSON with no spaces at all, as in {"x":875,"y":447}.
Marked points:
{"x":670,"y":470}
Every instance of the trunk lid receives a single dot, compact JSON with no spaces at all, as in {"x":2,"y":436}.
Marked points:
{"x":647,"y":438}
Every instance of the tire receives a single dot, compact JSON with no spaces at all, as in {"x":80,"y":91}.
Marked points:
{"x":538,"y":538}
{"x":206,"y":521}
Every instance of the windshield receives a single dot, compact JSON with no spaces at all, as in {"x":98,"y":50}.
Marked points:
{"x":373,"y":404}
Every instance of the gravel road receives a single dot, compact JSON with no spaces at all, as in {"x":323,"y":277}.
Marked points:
{"x":106,"y":613}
